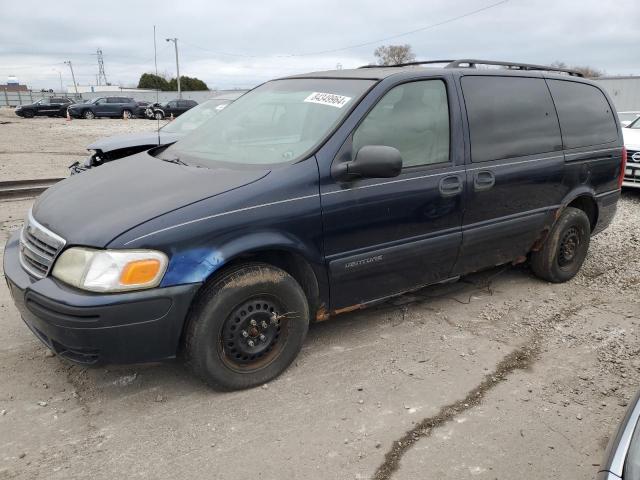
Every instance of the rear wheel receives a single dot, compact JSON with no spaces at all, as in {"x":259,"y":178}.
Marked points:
{"x":565,"y":249}
{"x":246,"y":327}
{"x":88,"y":114}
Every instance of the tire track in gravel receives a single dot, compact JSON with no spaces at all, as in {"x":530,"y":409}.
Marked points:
{"x":520,"y":359}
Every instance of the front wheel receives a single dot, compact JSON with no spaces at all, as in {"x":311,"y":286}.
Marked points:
{"x":246,"y":327}
{"x":127,"y":114}
{"x":565,"y":249}
{"x":159,"y":116}
{"x":89,"y":115}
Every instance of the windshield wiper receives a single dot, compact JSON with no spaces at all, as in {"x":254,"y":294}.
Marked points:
{"x":175,"y":160}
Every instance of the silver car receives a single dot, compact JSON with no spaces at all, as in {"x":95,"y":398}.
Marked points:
{"x":623,"y":452}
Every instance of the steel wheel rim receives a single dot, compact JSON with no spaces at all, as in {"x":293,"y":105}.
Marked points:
{"x":256,"y":321}
{"x":569,"y":247}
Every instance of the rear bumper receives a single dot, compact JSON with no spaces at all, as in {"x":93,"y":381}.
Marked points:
{"x":92,"y":328}
{"x":607,"y":207}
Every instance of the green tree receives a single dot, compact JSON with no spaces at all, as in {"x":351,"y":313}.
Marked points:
{"x":152,"y":81}
{"x":188,"y":84}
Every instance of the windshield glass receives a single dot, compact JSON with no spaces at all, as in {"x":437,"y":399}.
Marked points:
{"x":628,"y":116}
{"x":196,"y":116}
{"x":280,"y":121}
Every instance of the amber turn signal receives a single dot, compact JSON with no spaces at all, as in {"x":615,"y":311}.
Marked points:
{"x":140,"y":272}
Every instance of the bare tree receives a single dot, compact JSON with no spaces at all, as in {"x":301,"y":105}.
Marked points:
{"x":394,"y":54}
{"x":587,"y":71}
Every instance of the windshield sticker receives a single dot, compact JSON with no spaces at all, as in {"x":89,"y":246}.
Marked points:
{"x":329,"y":99}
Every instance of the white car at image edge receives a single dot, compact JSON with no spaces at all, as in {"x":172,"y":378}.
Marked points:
{"x":631,"y":135}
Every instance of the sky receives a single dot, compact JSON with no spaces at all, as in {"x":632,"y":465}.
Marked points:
{"x":243,"y":43}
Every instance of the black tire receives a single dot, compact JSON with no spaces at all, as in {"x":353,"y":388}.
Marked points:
{"x":565,"y":249}
{"x":88,"y":115}
{"x":158,"y":115}
{"x":222,"y":344}
{"x":28,"y":113}
{"x":127,"y":114}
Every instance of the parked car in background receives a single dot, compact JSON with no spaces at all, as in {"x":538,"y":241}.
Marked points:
{"x":119,"y":146}
{"x":622,"y":459}
{"x":104,"y":107}
{"x":173,"y":108}
{"x":141,"y":110}
{"x":50,"y":107}
{"x":627,"y":118}
{"x":631,"y":135}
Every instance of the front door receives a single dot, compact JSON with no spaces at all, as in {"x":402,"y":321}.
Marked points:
{"x":387,"y":236}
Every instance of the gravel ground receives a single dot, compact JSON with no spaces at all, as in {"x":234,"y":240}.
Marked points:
{"x":43,"y":147}
{"x":497,"y":376}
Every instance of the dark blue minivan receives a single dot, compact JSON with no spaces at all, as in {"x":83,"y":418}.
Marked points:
{"x":310,"y":196}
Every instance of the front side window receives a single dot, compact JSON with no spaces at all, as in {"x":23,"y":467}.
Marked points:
{"x":509,"y":117}
{"x":412,"y":117}
{"x":585,"y":115}
{"x":277,"y":122}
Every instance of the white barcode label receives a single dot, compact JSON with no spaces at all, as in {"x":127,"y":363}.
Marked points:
{"x":329,"y":99}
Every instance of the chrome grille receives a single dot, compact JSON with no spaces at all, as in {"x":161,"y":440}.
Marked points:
{"x":38,"y":248}
{"x":632,"y":171}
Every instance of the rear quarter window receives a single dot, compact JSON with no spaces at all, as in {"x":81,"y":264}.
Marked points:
{"x":586,"y":118}
{"x":509,"y":117}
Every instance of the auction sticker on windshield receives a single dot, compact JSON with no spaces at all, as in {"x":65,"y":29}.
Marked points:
{"x":329,"y":99}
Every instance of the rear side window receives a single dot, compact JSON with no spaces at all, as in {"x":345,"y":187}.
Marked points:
{"x":509,"y":117}
{"x":412,"y":117}
{"x":585,"y":114}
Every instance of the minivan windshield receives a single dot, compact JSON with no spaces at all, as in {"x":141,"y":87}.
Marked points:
{"x":277,"y":122}
{"x":196,"y":116}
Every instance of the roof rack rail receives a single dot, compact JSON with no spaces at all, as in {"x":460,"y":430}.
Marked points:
{"x":408,"y":64}
{"x":472,"y":63}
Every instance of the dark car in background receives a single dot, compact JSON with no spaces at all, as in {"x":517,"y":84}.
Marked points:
{"x":173,"y":108}
{"x":311,"y":196}
{"x":50,"y":107}
{"x":141,"y":110}
{"x":119,"y":146}
{"x":112,"y":107}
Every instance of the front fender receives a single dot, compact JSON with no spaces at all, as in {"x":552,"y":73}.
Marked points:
{"x":197,"y":264}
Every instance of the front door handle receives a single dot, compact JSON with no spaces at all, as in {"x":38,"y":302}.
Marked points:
{"x":450,"y":186}
{"x":483,"y":180}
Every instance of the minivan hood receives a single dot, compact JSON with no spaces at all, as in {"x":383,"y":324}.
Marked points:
{"x":126,"y":140}
{"x":93,"y":208}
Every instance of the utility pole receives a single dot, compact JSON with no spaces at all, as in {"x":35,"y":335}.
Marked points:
{"x":75,"y":85}
{"x":175,"y":44}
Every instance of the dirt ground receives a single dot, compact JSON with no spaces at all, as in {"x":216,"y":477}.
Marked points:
{"x":43,"y":147}
{"x":497,"y":376}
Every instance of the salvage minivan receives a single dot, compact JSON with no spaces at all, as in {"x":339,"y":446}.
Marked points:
{"x":314,"y":195}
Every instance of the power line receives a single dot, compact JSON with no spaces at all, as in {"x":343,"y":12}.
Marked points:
{"x":358,"y":45}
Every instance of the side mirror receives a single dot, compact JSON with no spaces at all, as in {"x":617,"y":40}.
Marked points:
{"x":371,"y":161}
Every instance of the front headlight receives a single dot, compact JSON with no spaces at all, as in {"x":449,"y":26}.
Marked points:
{"x":110,"y":270}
